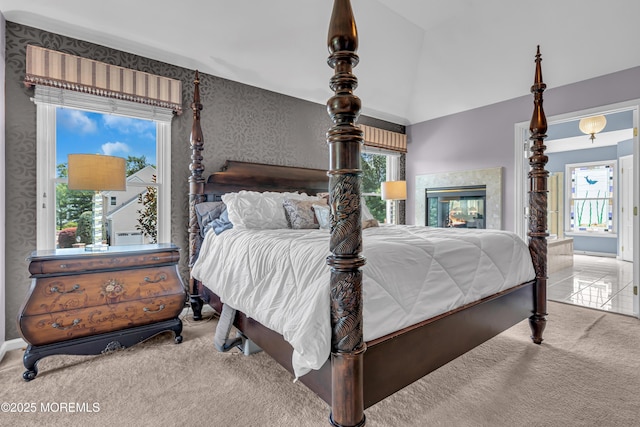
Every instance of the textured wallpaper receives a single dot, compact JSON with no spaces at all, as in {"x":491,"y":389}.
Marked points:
{"x":239,"y":122}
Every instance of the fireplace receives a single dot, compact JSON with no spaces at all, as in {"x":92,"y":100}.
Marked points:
{"x":491,"y":178}
{"x":458,"y":207}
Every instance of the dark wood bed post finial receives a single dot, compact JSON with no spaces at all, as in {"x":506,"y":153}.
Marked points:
{"x":538,"y":205}
{"x":196,"y":192}
{"x":345,"y":140}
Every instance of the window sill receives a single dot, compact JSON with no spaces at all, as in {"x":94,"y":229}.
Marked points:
{"x":590,"y":234}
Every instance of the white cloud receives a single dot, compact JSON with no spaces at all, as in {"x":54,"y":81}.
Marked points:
{"x":112,"y":148}
{"x":128,"y":125}
{"x":76,"y":120}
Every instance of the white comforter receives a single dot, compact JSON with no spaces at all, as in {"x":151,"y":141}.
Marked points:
{"x":280,"y":278}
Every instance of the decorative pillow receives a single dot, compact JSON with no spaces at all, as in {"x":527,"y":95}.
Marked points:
{"x":366,"y":213}
{"x":323,"y":215}
{"x":368,"y":220}
{"x":366,"y":223}
{"x":207,"y":212}
{"x":300,"y":213}
{"x":251,"y":209}
{"x":220,"y":224}
{"x":324,"y":196}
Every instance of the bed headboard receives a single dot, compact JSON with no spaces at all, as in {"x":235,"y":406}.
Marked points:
{"x":236,"y":176}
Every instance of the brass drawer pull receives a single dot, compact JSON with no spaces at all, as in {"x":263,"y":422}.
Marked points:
{"x":148,"y":310}
{"x":73,"y":289}
{"x":64,"y":328}
{"x":155,"y":258}
{"x":64,"y":266}
{"x":159,"y":278}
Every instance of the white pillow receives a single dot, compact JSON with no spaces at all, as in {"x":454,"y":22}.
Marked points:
{"x":365,"y":213}
{"x":252,"y":209}
{"x":323,"y":215}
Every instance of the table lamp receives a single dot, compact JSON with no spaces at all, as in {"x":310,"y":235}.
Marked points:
{"x":394,"y":191}
{"x":97,"y":173}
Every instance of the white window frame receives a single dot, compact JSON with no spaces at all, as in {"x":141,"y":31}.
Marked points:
{"x":392,"y":169}
{"x":614,"y":199}
{"x":47,"y":100}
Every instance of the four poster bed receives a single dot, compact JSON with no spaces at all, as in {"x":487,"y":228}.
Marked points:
{"x":357,"y":371}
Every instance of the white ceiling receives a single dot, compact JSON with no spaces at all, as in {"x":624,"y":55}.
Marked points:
{"x":584,"y":142}
{"x":419,"y":59}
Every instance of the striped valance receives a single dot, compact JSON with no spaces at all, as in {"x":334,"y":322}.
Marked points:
{"x":380,"y":138}
{"x":51,"y":68}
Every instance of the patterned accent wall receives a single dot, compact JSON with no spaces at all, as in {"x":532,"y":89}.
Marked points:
{"x":239,"y":122}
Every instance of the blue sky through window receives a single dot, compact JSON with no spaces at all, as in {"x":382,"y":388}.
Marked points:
{"x":83,"y":132}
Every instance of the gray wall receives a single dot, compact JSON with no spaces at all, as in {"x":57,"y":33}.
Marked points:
{"x":2,"y":186}
{"x":239,"y":122}
{"x":484,"y":137}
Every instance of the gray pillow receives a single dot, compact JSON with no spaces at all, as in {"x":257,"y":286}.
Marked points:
{"x":300,"y":213}
{"x":207,"y":212}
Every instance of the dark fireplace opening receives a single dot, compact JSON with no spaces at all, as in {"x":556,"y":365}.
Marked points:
{"x":459,"y":207}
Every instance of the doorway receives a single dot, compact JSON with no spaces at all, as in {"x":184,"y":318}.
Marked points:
{"x":617,"y":142}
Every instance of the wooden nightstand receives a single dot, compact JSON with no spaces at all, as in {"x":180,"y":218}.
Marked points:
{"x":94,"y":302}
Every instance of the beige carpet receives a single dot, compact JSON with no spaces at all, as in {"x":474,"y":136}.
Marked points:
{"x":586,"y":373}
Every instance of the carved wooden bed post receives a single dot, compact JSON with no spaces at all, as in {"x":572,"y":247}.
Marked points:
{"x":196,"y":193}
{"x":538,"y":205}
{"x":345,"y":140}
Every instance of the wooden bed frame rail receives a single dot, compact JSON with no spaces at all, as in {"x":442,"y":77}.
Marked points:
{"x":360,"y":374}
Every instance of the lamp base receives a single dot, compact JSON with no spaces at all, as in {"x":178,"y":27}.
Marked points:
{"x":97,"y":247}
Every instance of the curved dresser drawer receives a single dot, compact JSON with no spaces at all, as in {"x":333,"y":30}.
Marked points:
{"x":67,"y":265}
{"x":66,"y":325}
{"x":60,"y":293}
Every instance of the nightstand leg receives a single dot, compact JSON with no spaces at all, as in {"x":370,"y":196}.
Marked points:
{"x":30,"y":361}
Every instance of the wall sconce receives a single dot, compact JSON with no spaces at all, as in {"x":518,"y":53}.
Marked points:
{"x":394,"y":191}
{"x":96,"y":173}
{"x":592,"y":125}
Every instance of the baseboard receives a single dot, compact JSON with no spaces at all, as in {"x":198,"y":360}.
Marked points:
{"x":14,"y":344}
{"x":600,"y":254}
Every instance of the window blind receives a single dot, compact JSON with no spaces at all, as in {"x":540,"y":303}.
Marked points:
{"x":381,"y":138}
{"x":52,"y":68}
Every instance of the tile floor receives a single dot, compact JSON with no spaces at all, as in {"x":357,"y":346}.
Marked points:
{"x":596,"y":282}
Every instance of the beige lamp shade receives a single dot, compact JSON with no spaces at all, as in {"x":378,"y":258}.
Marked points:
{"x":394,"y":190}
{"x":592,"y":125}
{"x":96,"y":172}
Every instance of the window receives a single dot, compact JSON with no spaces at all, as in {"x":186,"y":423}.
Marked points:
{"x":53,"y":104}
{"x":86,"y":132}
{"x":379,"y":166}
{"x":590,"y":203}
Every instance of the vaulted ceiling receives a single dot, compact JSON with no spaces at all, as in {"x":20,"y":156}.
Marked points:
{"x":419,"y":59}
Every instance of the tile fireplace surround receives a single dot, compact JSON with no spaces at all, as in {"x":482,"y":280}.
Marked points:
{"x":491,"y":177}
